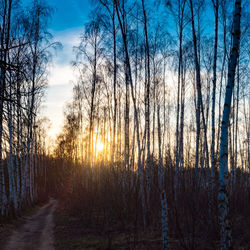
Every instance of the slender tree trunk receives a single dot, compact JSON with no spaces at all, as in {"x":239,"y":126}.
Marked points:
{"x":114,"y":83}
{"x":10,"y":163}
{"x":199,"y":107}
{"x":236,"y":126}
{"x":126,"y":121}
{"x":5,"y":39}
{"x":160,"y":161}
{"x":225,"y":228}
{"x":147,"y":103}
{"x":181,"y":153}
{"x":213,"y":159}
{"x":222,"y":75}
{"x":177,"y":160}
{"x":198,"y":87}
{"x":92,"y":107}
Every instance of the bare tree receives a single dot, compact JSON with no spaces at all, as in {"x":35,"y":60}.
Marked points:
{"x":213,"y":159}
{"x":225,"y":228}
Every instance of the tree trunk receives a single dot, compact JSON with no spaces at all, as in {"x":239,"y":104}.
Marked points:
{"x":213,"y":159}
{"x":225,"y":228}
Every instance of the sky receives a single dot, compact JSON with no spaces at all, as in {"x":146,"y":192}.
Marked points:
{"x":66,"y":26}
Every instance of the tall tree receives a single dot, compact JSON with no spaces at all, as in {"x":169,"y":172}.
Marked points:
{"x":213,"y":159}
{"x":225,"y":227}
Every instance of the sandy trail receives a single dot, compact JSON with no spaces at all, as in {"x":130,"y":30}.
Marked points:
{"x":37,"y":232}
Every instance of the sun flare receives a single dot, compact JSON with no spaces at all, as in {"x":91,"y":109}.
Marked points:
{"x":99,"y":146}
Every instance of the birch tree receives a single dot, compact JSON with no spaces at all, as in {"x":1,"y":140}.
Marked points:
{"x":223,"y":199}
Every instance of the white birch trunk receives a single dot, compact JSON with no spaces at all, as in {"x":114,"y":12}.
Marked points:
{"x":225,"y":229}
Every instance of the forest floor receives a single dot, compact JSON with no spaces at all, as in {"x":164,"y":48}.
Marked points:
{"x":36,"y":233}
{"x":72,"y":231}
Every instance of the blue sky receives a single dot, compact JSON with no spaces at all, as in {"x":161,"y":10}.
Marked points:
{"x":69,"y":13}
{"x":66,"y":26}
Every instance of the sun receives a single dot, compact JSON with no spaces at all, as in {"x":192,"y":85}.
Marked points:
{"x":99,"y":146}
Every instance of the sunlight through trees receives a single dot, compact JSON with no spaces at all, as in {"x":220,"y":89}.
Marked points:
{"x":156,"y":138}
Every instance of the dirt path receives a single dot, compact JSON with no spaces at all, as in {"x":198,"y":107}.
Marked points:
{"x":37,"y":233}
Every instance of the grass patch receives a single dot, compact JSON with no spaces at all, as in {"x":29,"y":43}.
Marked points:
{"x":71,"y":233}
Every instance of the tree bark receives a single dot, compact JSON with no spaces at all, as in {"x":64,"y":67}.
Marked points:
{"x":223,"y":205}
{"x":213,"y":159}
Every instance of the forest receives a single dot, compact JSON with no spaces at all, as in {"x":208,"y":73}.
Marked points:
{"x":154,"y":150}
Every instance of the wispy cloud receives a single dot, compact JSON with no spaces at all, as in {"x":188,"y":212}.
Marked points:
{"x":60,"y":75}
{"x":68,"y":38}
{"x":61,"y":78}
{"x":56,"y":98}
